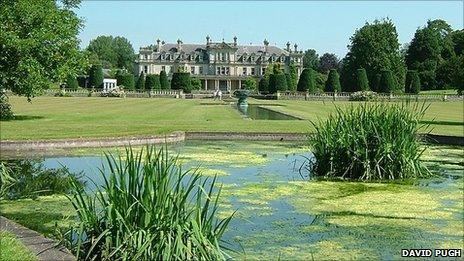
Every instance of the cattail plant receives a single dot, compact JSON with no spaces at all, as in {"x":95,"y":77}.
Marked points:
{"x":372,"y":141}
{"x":148,"y":209}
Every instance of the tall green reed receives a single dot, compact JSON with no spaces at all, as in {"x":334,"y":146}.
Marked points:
{"x":150,"y":209}
{"x":372,"y":141}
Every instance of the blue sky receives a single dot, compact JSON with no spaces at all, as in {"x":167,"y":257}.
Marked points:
{"x":325,"y":26}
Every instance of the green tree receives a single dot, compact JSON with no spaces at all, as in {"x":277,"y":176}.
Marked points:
{"x":320,"y":80}
{"x":387,"y":82}
{"x":39,"y":46}
{"x":362,"y":83}
{"x":327,"y":62}
{"x":250,"y":83}
{"x":150,"y":81}
{"x":71,"y":82}
{"x":113,"y":52}
{"x":195,"y":83}
{"x":457,"y":37}
{"x":333,"y":82}
{"x":96,"y":76}
{"x":263,"y":86}
{"x":289,"y":81}
{"x":181,"y":81}
{"x":450,"y":74}
{"x":374,"y":47}
{"x":140,"y":85}
{"x":412,"y":82}
{"x":307,"y":82}
{"x":126,"y":80}
{"x":431,"y":46}
{"x":310,"y":59}
{"x":164,"y":80}
{"x":277,"y":81}
{"x":291,"y":85}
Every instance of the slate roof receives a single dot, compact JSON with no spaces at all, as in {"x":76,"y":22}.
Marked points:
{"x":241,"y":49}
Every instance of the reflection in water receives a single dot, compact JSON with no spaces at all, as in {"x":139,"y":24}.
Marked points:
{"x":257,"y":112}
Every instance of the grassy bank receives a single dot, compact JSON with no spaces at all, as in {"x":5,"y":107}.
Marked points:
{"x":12,"y":249}
{"x":55,"y":118}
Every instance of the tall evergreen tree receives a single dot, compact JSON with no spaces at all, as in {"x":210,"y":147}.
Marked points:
{"x":150,"y":82}
{"x":362,"y":83}
{"x":374,"y":47}
{"x":387,"y":82}
{"x":181,"y":81}
{"x":289,"y":81}
{"x":164,"y":80}
{"x":96,"y":76}
{"x":263,"y":85}
{"x":310,"y":59}
{"x":293,"y":77}
{"x":140,"y":85}
{"x":412,"y":82}
{"x":333,"y":82}
{"x":277,"y":81}
{"x":307,"y":82}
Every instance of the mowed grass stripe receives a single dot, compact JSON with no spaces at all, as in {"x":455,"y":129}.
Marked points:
{"x":73,"y":117}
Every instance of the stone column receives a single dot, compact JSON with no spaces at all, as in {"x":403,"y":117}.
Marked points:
{"x":206,"y":84}
{"x":228,"y":85}
{"x":216,"y":84}
{"x":240,"y":84}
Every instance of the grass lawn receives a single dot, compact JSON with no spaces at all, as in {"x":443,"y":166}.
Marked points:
{"x":68,"y":117}
{"x":11,"y":249}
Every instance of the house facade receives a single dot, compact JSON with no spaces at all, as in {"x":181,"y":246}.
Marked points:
{"x":219,"y":65}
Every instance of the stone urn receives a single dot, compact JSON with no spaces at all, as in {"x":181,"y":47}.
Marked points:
{"x":242,"y":96}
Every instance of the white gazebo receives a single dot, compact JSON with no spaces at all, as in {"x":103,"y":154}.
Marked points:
{"x":109,"y":85}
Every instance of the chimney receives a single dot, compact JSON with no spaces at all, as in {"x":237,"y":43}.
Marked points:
{"x":158,"y":45}
{"x":288,"y":46}
{"x":207,"y":40}
{"x":266,"y":44}
{"x":296,"y":47}
{"x":179,"y":45}
{"x":235,"y":40}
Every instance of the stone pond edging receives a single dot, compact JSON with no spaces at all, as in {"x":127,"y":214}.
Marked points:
{"x":179,"y":136}
{"x":43,"y":248}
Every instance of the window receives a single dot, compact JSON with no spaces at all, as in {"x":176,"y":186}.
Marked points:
{"x":263,"y":71}
{"x":200,"y":69}
{"x":145,"y":69}
{"x":244,"y":71}
{"x":163,"y":68}
{"x":218,"y":70}
{"x":227,"y":70}
{"x":146,"y":57}
{"x":223,"y":70}
{"x":252,"y":71}
{"x":170,"y":68}
{"x":192,"y":69}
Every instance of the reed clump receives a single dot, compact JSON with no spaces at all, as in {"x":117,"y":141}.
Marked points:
{"x":148,"y":209}
{"x":372,"y":141}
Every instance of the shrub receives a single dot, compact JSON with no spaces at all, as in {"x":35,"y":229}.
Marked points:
{"x":387,"y":82}
{"x":362,"y":83}
{"x":195,"y":84}
{"x":369,"y":142}
{"x":263,"y":86}
{"x":250,"y":84}
{"x":31,"y":179}
{"x":181,"y":81}
{"x":364,"y":96}
{"x":5,"y":107}
{"x":412,"y":82}
{"x":164,"y":80}
{"x":150,"y":80}
{"x":333,"y":82}
{"x":277,"y":82}
{"x":126,"y":80}
{"x":140,"y":85}
{"x":148,"y":209}
{"x":96,"y":76}
{"x":62,"y":93}
{"x":71,"y":82}
{"x":307,"y":81}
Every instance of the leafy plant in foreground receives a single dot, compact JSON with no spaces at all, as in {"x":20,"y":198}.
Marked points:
{"x":148,"y":209}
{"x":369,"y":142}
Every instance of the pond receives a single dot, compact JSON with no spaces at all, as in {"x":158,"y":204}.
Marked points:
{"x":258,"y":112}
{"x":280,"y":214}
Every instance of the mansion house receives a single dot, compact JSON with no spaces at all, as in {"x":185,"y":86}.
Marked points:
{"x":219,"y":65}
